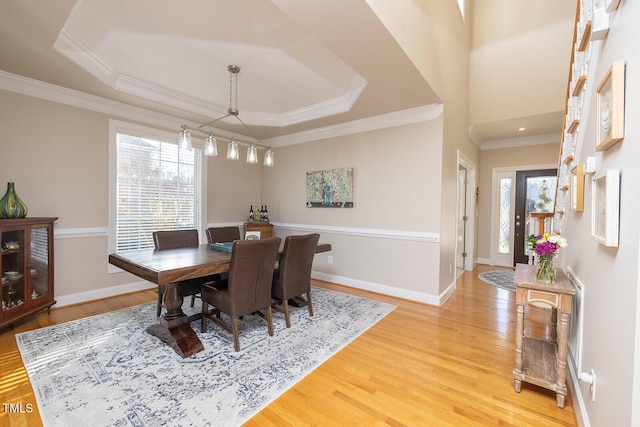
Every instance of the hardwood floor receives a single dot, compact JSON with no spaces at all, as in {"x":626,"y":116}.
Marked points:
{"x":419,"y":366}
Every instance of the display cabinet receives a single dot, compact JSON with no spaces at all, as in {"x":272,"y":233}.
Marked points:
{"x":27,"y":267}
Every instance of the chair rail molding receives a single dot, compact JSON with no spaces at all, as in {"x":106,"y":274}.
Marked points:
{"x":80,"y":233}
{"x":419,"y":236}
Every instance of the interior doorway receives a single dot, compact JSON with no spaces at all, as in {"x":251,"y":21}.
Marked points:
{"x":466,"y":215}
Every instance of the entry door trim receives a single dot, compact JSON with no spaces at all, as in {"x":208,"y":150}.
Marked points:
{"x":495,"y":172}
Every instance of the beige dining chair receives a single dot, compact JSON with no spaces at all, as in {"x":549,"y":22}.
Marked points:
{"x":247,"y":289}
{"x":292,"y":278}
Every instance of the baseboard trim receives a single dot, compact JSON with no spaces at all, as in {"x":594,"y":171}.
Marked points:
{"x":86,"y":296}
{"x":436,"y":300}
{"x":112,"y":291}
{"x":577,"y":400}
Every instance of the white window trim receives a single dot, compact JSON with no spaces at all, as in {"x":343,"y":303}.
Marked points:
{"x":116,"y":126}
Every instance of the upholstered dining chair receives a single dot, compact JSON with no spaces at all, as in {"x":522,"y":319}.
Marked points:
{"x":174,"y":239}
{"x":248,"y":287}
{"x":223,"y":234}
{"x":293,"y":276}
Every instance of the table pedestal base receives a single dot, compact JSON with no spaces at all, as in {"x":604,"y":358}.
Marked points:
{"x":174,"y":328}
{"x":182,"y":339}
{"x":298,"y":302}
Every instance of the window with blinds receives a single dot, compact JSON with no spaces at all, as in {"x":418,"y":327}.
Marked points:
{"x":158,"y":187}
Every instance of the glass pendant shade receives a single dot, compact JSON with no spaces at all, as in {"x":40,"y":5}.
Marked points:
{"x":184,"y":142}
{"x":210,"y":146}
{"x":232,"y":150}
{"x":268,"y":157}
{"x":252,"y":154}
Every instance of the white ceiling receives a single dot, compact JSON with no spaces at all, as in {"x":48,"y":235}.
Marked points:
{"x":171,"y":57}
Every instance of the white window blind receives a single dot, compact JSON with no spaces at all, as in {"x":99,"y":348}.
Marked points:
{"x":158,"y":188}
{"x":40,"y":245}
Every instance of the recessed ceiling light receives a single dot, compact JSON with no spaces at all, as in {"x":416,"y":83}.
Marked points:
{"x":521,"y":129}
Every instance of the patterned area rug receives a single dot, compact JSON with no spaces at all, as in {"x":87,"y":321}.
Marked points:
{"x":500,"y":278}
{"x":108,"y":370}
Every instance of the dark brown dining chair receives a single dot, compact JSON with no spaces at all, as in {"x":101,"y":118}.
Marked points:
{"x":293,"y":276}
{"x":248,"y":287}
{"x":223,"y":234}
{"x":174,"y":239}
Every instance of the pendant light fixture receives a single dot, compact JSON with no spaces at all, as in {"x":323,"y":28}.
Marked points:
{"x":268,"y":157}
{"x":210,"y":145}
{"x":211,"y":148}
{"x":232,"y":150}
{"x":252,"y":154}
{"x":184,"y":142}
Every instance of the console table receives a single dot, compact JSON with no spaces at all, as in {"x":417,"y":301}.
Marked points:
{"x":265,"y":228}
{"x":539,"y":361}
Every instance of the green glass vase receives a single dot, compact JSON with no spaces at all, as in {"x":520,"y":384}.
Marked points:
{"x":10,"y":205}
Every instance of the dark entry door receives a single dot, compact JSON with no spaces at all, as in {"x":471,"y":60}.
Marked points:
{"x":535,"y":192}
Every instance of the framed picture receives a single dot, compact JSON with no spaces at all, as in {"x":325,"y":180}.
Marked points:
{"x":610,"y":107}
{"x":330,"y":188}
{"x":605,"y":208}
{"x":576,"y":188}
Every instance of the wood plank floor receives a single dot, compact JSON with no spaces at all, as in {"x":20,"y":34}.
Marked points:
{"x":419,"y":366}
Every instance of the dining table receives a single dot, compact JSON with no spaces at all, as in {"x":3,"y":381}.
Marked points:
{"x":169,"y":267}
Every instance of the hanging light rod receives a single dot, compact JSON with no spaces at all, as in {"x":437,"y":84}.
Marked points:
{"x":210,"y":143}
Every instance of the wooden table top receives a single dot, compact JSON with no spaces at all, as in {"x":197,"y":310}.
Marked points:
{"x":525,"y":277}
{"x":173,"y":265}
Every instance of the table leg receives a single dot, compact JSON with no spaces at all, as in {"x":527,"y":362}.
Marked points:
{"x":517,"y":372}
{"x":173,"y":327}
{"x":561,"y":385}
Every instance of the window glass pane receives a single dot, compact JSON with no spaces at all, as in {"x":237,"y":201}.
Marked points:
{"x":158,"y":188}
{"x":504,"y":217}
{"x":541,"y":192}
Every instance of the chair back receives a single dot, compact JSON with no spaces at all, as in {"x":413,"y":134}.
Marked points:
{"x":296,"y":263}
{"x":223,"y":234}
{"x":250,"y":274}
{"x":172,"y":239}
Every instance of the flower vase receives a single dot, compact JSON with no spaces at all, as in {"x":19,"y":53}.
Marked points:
{"x":546,"y":272}
{"x":10,"y":205}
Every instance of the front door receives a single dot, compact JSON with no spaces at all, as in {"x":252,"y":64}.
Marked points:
{"x":535,"y":192}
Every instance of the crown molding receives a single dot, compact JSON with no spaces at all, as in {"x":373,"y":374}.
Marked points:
{"x":311,"y":112}
{"x":73,"y":49}
{"x":38,"y":89}
{"x":548,"y":138}
{"x":396,"y":118}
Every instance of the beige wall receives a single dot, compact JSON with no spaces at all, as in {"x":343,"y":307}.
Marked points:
{"x":397,"y":174}
{"x":436,"y":39}
{"x":58,"y":157}
{"x":513,"y":158}
{"x":497,"y":35}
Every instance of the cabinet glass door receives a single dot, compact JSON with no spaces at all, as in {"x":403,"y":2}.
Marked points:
{"x":38,"y":263}
{"x":12,"y":265}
